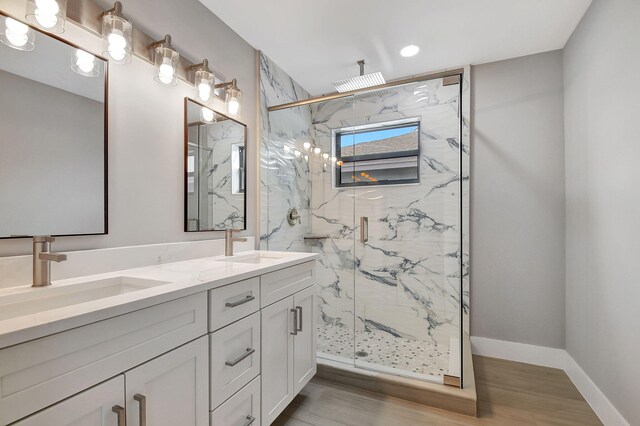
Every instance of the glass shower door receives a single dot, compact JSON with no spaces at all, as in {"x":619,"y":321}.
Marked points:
{"x":403,"y":165}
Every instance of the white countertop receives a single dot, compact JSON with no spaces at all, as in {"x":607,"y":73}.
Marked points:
{"x":184,"y":278}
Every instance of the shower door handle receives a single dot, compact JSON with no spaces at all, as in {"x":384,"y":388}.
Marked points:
{"x":364,"y":229}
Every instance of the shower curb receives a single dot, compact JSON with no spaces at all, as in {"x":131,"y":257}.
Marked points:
{"x":462,"y":401}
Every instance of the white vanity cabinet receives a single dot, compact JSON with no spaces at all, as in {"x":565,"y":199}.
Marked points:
{"x":234,"y":355}
{"x":166,"y":391}
{"x":97,"y":406}
{"x":172,"y":389}
{"x":288,"y":346}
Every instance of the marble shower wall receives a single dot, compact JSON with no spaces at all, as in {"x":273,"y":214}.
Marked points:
{"x":405,"y":281}
{"x":284,"y":173}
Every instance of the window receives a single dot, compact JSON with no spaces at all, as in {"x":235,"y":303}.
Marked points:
{"x":378,"y":154}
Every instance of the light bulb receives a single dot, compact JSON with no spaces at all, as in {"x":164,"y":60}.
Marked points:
{"x":48,"y":7}
{"x":16,"y":32}
{"x":333,"y":159}
{"x":297,"y":153}
{"x":317,"y":150}
{"x":306,"y":157}
{"x":306,"y":146}
{"x":325,"y":156}
{"x":117,"y":45}
{"x":46,"y":20}
{"x":165,"y":72}
{"x":85,"y":61}
{"x":234,"y":106}
{"x":204,"y":91}
{"x":287,"y":149}
{"x":207,"y":114}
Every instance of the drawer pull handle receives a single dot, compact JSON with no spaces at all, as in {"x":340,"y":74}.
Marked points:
{"x":250,"y":420}
{"x":299,"y":309}
{"x":295,"y":322}
{"x":240,"y":302}
{"x":142,"y":400}
{"x":237,"y":361}
{"x":122,"y":415}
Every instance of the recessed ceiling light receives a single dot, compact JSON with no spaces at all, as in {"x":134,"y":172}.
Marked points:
{"x":411,"y":50}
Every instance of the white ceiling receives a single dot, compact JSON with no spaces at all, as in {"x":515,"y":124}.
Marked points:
{"x":319,"y":41}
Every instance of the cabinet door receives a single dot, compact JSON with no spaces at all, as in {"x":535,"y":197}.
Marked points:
{"x":304,"y":343}
{"x":277,"y":358}
{"x":93,"y":407}
{"x":171,"y":389}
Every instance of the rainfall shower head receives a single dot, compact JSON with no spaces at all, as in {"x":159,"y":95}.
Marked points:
{"x":361,"y":82}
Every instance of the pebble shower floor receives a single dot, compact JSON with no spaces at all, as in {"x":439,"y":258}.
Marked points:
{"x":379,"y":347}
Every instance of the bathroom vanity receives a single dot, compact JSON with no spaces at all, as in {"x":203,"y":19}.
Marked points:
{"x":220,"y":341}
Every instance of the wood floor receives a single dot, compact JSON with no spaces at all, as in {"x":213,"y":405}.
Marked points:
{"x":509,"y":393}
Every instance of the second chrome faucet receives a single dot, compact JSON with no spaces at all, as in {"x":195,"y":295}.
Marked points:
{"x":229,"y":239}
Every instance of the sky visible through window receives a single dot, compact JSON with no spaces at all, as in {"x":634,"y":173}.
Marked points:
{"x":349,"y":139}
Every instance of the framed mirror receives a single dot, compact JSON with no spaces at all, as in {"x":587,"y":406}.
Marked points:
{"x":53,"y":135}
{"x":215,"y":170}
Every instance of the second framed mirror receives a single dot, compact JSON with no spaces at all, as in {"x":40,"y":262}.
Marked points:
{"x":215,"y":170}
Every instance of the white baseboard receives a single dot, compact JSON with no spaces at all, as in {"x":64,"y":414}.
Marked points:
{"x":553,"y":358}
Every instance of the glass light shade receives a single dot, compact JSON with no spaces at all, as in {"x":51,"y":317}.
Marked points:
{"x":204,"y":82}
{"x":117,"y":38}
{"x":50,"y":15}
{"x":166,"y":60}
{"x":233,"y":102}
{"x":16,"y":35}
{"x":84,"y":63}
{"x":207,"y":115}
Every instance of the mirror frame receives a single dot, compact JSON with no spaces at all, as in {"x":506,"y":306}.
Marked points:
{"x":106,"y":128}
{"x":186,"y":155}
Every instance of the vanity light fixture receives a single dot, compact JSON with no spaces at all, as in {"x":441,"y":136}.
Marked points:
{"x":204,"y":80}
{"x":232,"y":98}
{"x":48,"y":14}
{"x":84,"y":63}
{"x":17,"y":35}
{"x":207,"y":115}
{"x":166,"y":60}
{"x":117,"y":35}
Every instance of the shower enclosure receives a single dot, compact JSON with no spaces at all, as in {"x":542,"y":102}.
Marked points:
{"x":380,"y":180}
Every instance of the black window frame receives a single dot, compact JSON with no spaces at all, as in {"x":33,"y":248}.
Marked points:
{"x":355,"y":159}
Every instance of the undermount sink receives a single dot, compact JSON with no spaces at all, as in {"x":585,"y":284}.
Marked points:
{"x":33,"y":300}
{"x":263,"y":257}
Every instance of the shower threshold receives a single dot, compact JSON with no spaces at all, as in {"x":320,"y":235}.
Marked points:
{"x":390,"y":383}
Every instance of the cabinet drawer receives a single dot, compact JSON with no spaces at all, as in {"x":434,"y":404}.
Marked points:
{"x":91,"y":407}
{"x":277,"y":285}
{"x":233,"y":302}
{"x":235,"y":357}
{"x":36,"y":374}
{"x":241,"y":408}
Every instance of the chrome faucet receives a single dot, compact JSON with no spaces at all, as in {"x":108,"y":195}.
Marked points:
{"x":229,"y":239}
{"x":42,"y":258}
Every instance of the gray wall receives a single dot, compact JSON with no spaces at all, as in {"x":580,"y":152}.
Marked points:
{"x":602,"y":108}
{"x":146,"y":125}
{"x":517,"y":200}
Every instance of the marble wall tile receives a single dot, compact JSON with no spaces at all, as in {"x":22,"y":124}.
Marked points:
{"x":406,"y":280}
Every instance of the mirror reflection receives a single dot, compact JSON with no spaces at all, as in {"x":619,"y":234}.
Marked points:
{"x":52,"y":135}
{"x":215,"y":163}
